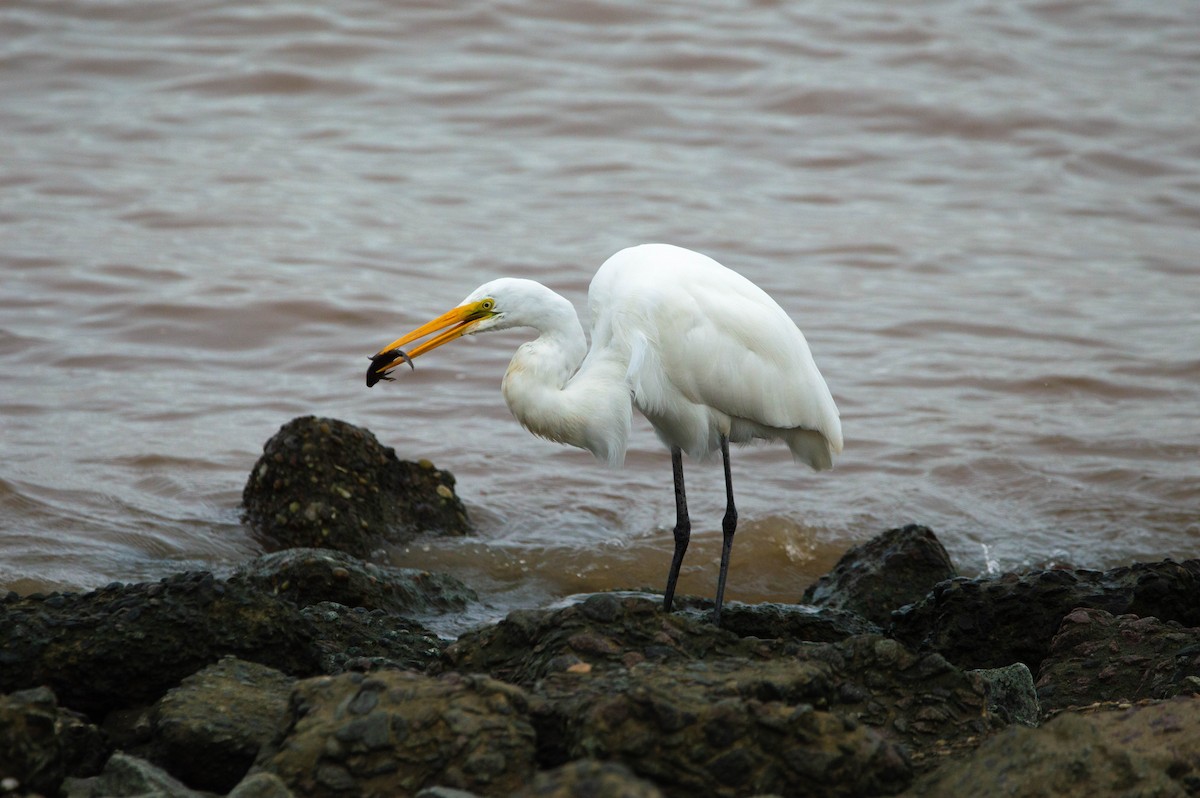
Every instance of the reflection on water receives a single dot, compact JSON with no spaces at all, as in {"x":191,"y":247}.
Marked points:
{"x":984,"y":217}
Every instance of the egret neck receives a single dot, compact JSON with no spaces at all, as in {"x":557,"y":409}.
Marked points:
{"x":556,"y":394}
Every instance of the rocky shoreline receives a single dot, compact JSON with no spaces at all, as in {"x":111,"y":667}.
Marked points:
{"x":304,"y":672}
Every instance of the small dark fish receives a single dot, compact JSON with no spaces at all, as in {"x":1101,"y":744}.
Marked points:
{"x":381,"y":361}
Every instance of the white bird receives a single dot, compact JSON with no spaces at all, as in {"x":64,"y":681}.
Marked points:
{"x":703,"y":353}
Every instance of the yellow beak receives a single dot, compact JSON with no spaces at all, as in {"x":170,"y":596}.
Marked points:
{"x":453,"y":324}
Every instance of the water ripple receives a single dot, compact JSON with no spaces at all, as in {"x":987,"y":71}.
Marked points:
{"x":984,"y":217}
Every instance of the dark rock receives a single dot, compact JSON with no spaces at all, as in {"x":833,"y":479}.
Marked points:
{"x":310,"y":576}
{"x":794,"y":622}
{"x":261,"y":785}
{"x":989,"y":622}
{"x":719,"y":728}
{"x":323,"y":483}
{"x":361,"y":640}
{"x":919,"y":699}
{"x":605,"y":631}
{"x":590,"y":778}
{"x":1150,"y":750}
{"x":395,"y":732}
{"x":1100,"y":657}
{"x":887,"y":572}
{"x":127,"y":776}
{"x":578,"y":658}
{"x":445,"y":792}
{"x":1011,"y":695}
{"x":127,"y":645}
{"x":211,"y":727}
{"x":40,"y":744}
{"x":130,"y":729}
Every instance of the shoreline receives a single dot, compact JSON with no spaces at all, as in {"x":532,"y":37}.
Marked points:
{"x":304,"y":673}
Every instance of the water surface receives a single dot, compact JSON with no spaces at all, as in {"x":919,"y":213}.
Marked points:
{"x":984,"y":216}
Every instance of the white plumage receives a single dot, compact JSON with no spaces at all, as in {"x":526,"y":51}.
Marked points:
{"x":710,"y":353}
{"x":703,"y":353}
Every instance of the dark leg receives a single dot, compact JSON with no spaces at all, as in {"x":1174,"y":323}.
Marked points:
{"x":683,"y":527}
{"x":728,"y":527}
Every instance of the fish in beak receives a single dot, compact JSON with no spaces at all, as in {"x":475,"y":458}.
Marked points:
{"x":450,"y":325}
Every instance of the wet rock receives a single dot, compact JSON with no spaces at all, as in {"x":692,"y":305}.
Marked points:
{"x":915,"y":697}
{"x":588,"y":777}
{"x":126,"y":645}
{"x":605,"y":631}
{"x":261,"y":785}
{"x":323,"y":483}
{"x":991,"y":622}
{"x":209,"y":729}
{"x":1011,"y":695}
{"x":1150,"y":750}
{"x":130,"y":729}
{"x":395,"y":732}
{"x":718,"y":728}
{"x":1097,"y":656}
{"x":41,"y":743}
{"x":445,"y":792}
{"x":310,"y":576}
{"x":127,"y":776}
{"x":794,"y":622}
{"x":361,"y":640}
{"x":887,"y":572}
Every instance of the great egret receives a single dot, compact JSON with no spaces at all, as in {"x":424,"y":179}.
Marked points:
{"x":706,"y":355}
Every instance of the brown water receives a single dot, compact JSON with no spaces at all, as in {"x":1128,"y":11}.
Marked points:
{"x":985,"y":216}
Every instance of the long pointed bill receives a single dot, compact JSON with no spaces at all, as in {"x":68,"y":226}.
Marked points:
{"x":450,"y":325}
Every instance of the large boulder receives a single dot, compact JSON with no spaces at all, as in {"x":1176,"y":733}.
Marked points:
{"x":719,"y":728}
{"x":914,"y":699}
{"x":606,"y":631}
{"x":126,"y":776}
{"x":1012,"y":696}
{"x":590,"y":778}
{"x":125,"y":645}
{"x":1097,"y":656}
{"x":210,"y":729}
{"x":40,"y":743}
{"x":395,"y":732}
{"x":357,"y":639}
{"x":887,"y":572}
{"x":311,"y":576}
{"x":261,"y":785}
{"x":990,"y":622}
{"x":1146,"y":750}
{"x":771,"y":621}
{"x":323,"y":483}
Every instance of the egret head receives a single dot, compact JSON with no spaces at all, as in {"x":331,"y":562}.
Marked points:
{"x":497,"y":305}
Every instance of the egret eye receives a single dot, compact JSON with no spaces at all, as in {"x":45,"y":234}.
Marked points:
{"x":487,"y":304}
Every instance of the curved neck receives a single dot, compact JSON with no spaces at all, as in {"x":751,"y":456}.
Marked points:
{"x":558,"y":394}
